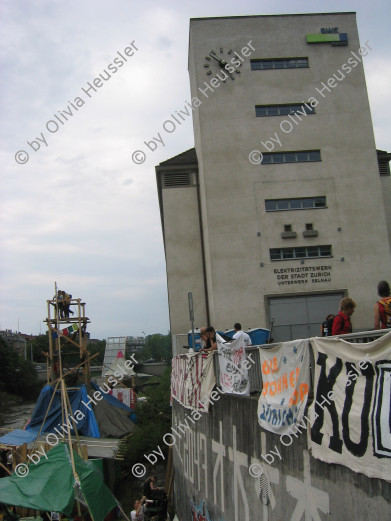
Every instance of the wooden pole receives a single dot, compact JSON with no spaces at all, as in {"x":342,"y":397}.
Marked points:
{"x":74,"y":369}
{"x":46,"y":414}
{"x":48,"y":365}
{"x":63,"y":394}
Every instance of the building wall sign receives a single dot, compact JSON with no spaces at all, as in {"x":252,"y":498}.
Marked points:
{"x":328,"y":35}
{"x":325,"y":30}
{"x":303,"y":275}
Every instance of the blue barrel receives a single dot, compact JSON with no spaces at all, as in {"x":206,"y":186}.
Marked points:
{"x":229,"y":332}
{"x":258,"y":335}
{"x":197,"y":340}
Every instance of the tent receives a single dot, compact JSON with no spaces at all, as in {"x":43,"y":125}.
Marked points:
{"x":52,"y":485}
{"x":82,"y":413}
{"x":96,"y":413}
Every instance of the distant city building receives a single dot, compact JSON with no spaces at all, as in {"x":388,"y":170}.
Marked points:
{"x":284,"y":205}
{"x":18,"y":341}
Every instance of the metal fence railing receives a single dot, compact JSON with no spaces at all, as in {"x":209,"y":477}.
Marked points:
{"x":255,"y":370}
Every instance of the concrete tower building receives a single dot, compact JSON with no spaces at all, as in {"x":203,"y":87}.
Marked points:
{"x":280,"y":210}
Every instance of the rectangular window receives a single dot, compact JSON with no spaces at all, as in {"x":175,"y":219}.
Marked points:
{"x":278,"y":63}
{"x":308,"y":252}
{"x":304,"y":156}
{"x":283,"y":110}
{"x":304,"y":203}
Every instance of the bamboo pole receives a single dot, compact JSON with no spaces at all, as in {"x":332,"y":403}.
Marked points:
{"x":5,"y":468}
{"x":70,"y":371}
{"x":46,"y":414}
{"x":63,"y":394}
{"x":74,"y":426}
{"x":48,"y":366}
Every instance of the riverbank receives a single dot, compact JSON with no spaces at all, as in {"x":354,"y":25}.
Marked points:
{"x":7,"y":399}
{"x":14,"y":411}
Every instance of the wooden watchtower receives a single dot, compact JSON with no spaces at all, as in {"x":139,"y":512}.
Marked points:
{"x":67,"y":325}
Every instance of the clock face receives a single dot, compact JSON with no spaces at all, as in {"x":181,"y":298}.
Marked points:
{"x":226,"y":60}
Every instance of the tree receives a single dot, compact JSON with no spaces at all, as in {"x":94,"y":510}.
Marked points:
{"x":153,"y":420}
{"x":40,"y":344}
{"x":158,"y":346}
{"x":17,"y":376}
{"x":97,"y":347}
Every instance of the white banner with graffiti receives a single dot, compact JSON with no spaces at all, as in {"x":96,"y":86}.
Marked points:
{"x":233,"y":366}
{"x":286,"y":379}
{"x":192,"y":380}
{"x":125,"y":395}
{"x":350,"y":415}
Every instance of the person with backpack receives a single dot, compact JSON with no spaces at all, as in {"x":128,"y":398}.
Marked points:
{"x":383,"y":306}
{"x":341,"y":322}
{"x":327,"y":325}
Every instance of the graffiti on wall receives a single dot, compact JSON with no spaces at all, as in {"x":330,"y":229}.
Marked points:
{"x":200,"y":512}
{"x":228,"y":469}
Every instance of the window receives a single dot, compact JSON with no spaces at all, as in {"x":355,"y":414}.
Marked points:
{"x":304,"y":203}
{"x":279,"y":63}
{"x":283,"y":110}
{"x":309,"y":227}
{"x":305,"y":156}
{"x":287,"y":227}
{"x":307,"y":252}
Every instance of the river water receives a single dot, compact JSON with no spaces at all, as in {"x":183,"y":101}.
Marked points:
{"x":15,"y":416}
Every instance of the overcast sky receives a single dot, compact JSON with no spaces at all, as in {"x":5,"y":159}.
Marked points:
{"x":80,"y":212}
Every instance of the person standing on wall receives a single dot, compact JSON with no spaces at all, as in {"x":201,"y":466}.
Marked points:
{"x":382,"y":310}
{"x":341,"y":322}
{"x":239,"y":333}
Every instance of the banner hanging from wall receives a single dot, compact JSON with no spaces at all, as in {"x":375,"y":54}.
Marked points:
{"x":192,"y":380}
{"x":233,"y":366}
{"x":350,"y":415}
{"x":286,"y":379}
{"x":125,"y":395}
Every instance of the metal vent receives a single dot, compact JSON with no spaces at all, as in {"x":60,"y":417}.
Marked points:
{"x":384,"y":167}
{"x":177,"y":179}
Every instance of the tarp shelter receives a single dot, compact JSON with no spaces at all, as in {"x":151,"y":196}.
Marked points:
{"x":18,"y":437}
{"x":97,"y":418}
{"x":118,"y":366}
{"x":51,"y":486}
{"x":84,"y":417}
{"x":114,"y":418}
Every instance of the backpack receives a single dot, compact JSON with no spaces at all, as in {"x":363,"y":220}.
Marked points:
{"x":327,"y":326}
{"x":386,"y":303}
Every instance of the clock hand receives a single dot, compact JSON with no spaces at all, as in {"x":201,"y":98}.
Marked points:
{"x":221,"y":62}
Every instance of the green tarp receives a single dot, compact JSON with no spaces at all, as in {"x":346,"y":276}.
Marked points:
{"x":50,"y":486}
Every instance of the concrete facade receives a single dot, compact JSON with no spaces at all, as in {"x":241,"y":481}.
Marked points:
{"x":218,"y":235}
{"x":212,"y":461}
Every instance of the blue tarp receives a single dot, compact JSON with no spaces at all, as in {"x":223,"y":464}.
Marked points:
{"x":18,"y":437}
{"x":82,"y":412}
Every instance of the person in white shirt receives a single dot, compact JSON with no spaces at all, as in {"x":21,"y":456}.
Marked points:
{"x":240,"y":333}
{"x":139,"y":509}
